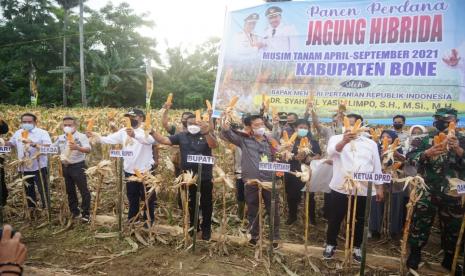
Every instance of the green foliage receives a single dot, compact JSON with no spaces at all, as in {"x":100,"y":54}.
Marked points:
{"x":115,"y":52}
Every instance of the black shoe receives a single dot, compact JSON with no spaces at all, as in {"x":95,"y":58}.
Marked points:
{"x":206,"y":235}
{"x":253,"y":242}
{"x":414,"y":258}
{"x":291,"y":220}
{"x":447,"y":264}
{"x":329,"y":252}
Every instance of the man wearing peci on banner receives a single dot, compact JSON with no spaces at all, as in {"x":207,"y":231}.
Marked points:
{"x":278,"y":36}
{"x":247,"y":42}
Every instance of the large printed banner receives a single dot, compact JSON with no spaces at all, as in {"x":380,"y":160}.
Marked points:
{"x":379,"y":57}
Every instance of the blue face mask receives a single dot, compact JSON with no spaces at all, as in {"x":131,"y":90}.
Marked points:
{"x":302,"y":132}
{"x":27,"y":127}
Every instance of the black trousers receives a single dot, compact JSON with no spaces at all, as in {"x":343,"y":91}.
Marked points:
{"x":293,"y":186}
{"x":35,"y":181}
{"x":339,"y":211}
{"x":135,"y":192}
{"x":75,"y":177}
{"x":4,"y":191}
{"x":326,"y":205}
{"x":206,"y":204}
{"x":240,"y":191}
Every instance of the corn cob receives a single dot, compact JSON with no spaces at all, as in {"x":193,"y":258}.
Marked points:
{"x":233,"y":102}
{"x":293,"y":137}
{"x":209,"y":105}
{"x":451,"y":129}
{"x":138,"y":173}
{"x":127,"y":122}
{"x":25,"y":134}
{"x":169,"y":99}
{"x":198,"y":118}
{"x":346,"y":123}
{"x":147,"y":123}
{"x":385,"y":144}
{"x":69,"y":138}
{"x":396,"y":166}
{"x":285,"y":137}
{"x":357,"y":126}
{"x":90,"y":125}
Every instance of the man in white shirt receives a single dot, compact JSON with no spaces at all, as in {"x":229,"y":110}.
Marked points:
{"x":73,"y":147}
{"x":350,"y":153}
{"x":246,"y":42}
{"x":279,"y":37}
{"x":27,"y":142}
{"x":134,"y":140}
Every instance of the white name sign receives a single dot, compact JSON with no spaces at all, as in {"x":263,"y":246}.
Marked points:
{"x":385,"y":178}
{"x":5,"y":149}
{"x":201,"y":159}
{"x":48,"y":150}
{"x":275,"y":167}
{"x":121,"y":153}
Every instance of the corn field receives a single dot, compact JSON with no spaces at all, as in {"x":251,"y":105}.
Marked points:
{"x":169,"y":237}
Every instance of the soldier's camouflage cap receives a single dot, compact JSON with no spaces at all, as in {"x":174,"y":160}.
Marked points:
{"x":445,"y":112}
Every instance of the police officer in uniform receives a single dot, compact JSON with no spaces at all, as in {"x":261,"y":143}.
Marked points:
{"x":436,"y":164}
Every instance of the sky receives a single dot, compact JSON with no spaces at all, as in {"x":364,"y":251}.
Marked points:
{"x":182,"y":22}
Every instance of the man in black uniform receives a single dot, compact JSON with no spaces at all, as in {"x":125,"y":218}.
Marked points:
{"x":4,"y":192}
{"x":197,"y":139}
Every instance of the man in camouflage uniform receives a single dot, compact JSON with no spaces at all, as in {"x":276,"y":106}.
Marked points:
{"x":436,"y":165}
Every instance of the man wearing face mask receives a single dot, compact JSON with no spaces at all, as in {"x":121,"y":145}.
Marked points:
{"x":289,"y":126}
{"x":73,"y":158}
{"x":29,"y":149}
{"x":350,"y":153}
{"x":198,"y":139}
{"x":437,"y":164}
{"x":398,"y":123}
{"x":136,"y":141}
{"x":293,"y":184}
{"x":256,"y":147}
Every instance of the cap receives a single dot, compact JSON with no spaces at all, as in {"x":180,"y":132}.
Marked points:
{"x":273,"y":11}
{"x":445,"y":112}
{"x":252,"y":17}
{"x":134,"y":112}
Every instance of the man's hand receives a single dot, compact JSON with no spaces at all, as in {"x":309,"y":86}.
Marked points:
{"x":130,"y":132}
{"x":89,"y":134}
{"x":379,"y":193}
{"x":434,"y":151}
{"x":225,"y":125}
{"x":11,"y":249}
{"x":453,"y":142}
{"x":204,"y":127}
{"x":167,"y":106}
{"x":74,"y":146}
{"x":349,"y":136}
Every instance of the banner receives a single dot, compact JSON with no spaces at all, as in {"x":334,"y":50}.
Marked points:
{"x":381,"y":58}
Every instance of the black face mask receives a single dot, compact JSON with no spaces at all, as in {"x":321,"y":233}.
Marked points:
{"x":134,"y":123}
{"x":398,"y":126}
{"x":441,"y":125}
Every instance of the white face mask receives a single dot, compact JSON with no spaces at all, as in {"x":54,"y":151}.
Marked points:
{"x":68,"y":129}
{"x":259,"y":131}
{"x":193,"y":129}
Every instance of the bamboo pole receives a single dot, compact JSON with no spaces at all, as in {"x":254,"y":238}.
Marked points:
{"x":119,"y":170}
{"x":408,"y":221}
{"x":260,"y":223}
{"x":197,"y":206}
{"x":354,"y":214}
{"x":272,"y":211}
{"x":347,"y":243}
{"x":185,"y":200}
{"x":97,"y":199}
{"x":46,"y":195}
{"x":365,"y":227}
{"x":307,"y":206}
